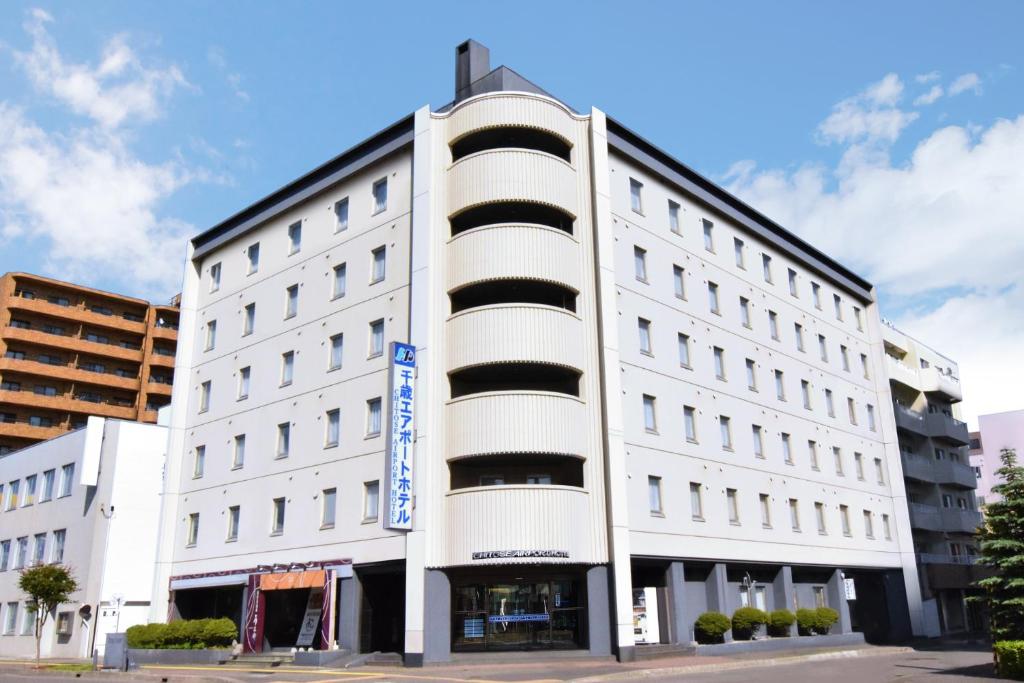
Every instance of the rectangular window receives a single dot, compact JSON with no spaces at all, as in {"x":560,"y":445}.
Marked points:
{"x":725,"y":426}
{"x":733,"y":506}
{"x":340,"y":274}
{"x":644,"y":330}
{"x":798,"y":331}
{"x":823,"y":348}
{"x":21,"y":553}
{"x":67,"y":475}
{"x":253,"y":254}
{"x":39,"y":549}
{"x":211,"y":335}
{"x":858,"y":465}
{"x":204,"y":396}
{"x":57,"y":552}
{"x":713,"y":298}
{"x":844,"y":355}
{"x":28,"y":622}
{"x":47,"y":492}
{"x":766,"y":510}
{"x":373,"y":417}
{"x":886,"y":528}
{"x":640,"y":264}
{"x":690,"y":423}
{"x":333,"y":431}
{"x":838,"y":306}
{"x":805,"y":390}
{"x":871,"y":417}
{"x":198,"y":462}
{"x":193,"y":530}
{"x":773,"y":325}
{"x":673,"y":217}
{"x":879,"y":472}
{"x":371,"y":495}
{"x":11,"y":618}
{"x":5,"y":555}
{"x":341,"y":215}
{"x":837,"y":456}
{"x":812,"y":454}
{"x":287,"y":367}
{"x":650,"y":418}
{"x":291,"y":305}
{"x":379,"y":269}
{"x":787,"y":450}
{"x":745,"y":312}
{"x":380,"y":195}
{"x":234,"y":513}
{"x":337,"y":346}
{"x":376,"y":338}
{"x":751,"y":375}
{"x":864,"y":365}
{"x":243,"y":383}
{"x":294,"y":237}
{"x":30,"y":491}
{"x":277,"y":518}
{"x":766,"y":267}
{"x":794,"y":514}
{"x":636,"y":195}
{"x":214,"y":277}
{"x":654,"y":495}
{"x":284,"y":439}
{"x":249,"y":322}
{"x":758,"y":438}
{"x":709,"y":236}
{"x":719,"y":355}
{"x":819,"y":514}
{"x":696,"y":503}
{"x":816,"y":294}
{"x":684,"y":350}
{"x":851,"y":408}
{"x":328,"y":508}
{"x":780,"y":386}
{"x":792,"y":283}
{"x":238,"y":455}
{"x":830,"y":405}
{"x":869,"y":524}
{"x":737,"y":245}
{"x":679,"y":281}
{"x":860,"y":320}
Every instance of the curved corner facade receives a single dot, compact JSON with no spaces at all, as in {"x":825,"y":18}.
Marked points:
{"x":634,"y":400}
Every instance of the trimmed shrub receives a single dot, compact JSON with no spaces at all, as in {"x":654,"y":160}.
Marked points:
{"x":779,"y":623}
{"x":806,"y":621}
{"x":1010,"y":659}
{"x":826,"y":617}
{"x":184,"y":634}
{"x":746,"y":621}
{"x":710,"y":627}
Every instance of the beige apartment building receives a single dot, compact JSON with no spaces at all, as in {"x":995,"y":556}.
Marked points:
{"x":68,"y":351}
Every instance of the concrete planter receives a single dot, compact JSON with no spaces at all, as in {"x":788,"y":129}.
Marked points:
{"x":781,"y":644}
{"x":322,"y":658}
{"x":136,"y":656}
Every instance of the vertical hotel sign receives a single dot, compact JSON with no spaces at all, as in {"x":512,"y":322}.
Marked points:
{"x":401,"y":435}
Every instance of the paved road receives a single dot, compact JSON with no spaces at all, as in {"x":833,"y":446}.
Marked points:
{"x":920,"y":666}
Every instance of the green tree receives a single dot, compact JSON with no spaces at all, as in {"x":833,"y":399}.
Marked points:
{"x":1002,"y":548}
{"x":47,"y":586}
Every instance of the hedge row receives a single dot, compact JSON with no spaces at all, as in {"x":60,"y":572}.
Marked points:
{"x":194,"y":634}
{"x":711,"y":627}
{"x":1010,"y":659}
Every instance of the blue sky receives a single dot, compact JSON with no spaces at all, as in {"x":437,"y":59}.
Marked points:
{"x":884,"y":133}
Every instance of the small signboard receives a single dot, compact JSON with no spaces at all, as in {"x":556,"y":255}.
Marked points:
{"x":401,"y":435}
{"x":850,"y":588}
{"x":311,"y":620}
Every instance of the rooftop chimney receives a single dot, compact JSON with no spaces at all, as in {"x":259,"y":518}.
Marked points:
{"x":472,"y":62}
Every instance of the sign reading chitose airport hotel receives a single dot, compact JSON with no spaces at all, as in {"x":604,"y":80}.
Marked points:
{"x":401,"y":435}
{"x":519,"y":554}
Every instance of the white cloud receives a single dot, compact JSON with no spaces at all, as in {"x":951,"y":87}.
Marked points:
{"x":966,"y":82}
{"x":868,"y":117}
{"x":939,"y":233}
{"x":118,"y":89}
{"x":928,"y":77}
{"x":80,"y":198}
{"x":929,"y":97}
{"x":216,"y":57}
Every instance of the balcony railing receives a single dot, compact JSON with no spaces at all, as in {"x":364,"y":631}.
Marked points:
{"x":941,"y":558}
{"x":910,"y":420}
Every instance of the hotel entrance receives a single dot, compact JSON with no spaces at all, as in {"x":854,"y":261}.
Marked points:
{"x":518,"y":613}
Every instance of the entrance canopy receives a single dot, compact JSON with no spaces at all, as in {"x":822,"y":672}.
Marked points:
{"x":290,"y":580}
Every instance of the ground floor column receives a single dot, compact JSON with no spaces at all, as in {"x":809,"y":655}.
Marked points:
{"x":437,"y":617}
{"x":599,"y":615}
{"x":836,"y":592}
{"x":675,"y":584}
{"x":350,"y":596}
{"x":782,"y":591}
{"x":415,"y":577}
{"x":715,"y":585}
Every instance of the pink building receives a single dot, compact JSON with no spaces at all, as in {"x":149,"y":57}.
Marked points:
{"x":996,"y":432}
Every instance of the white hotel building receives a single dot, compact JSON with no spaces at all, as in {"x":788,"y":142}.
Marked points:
{"x":637,"y":399}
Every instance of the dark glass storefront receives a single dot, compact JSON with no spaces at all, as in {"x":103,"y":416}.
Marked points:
{"x":518,"y":613}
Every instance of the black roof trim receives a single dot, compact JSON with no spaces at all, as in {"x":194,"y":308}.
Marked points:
{"x":380,"y":144}
{"x":678,"y":173}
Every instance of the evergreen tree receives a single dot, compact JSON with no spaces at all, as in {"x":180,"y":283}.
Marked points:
{"x":1002,"y":548}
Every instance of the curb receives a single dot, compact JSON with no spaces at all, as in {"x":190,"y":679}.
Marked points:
{"x":744,"y":664}
{"x":109,"y":675}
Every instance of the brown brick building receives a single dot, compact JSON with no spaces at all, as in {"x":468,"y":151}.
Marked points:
{"x":68,"y":351}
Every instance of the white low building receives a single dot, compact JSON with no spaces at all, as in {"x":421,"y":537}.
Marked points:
{"x":90,"y":500}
